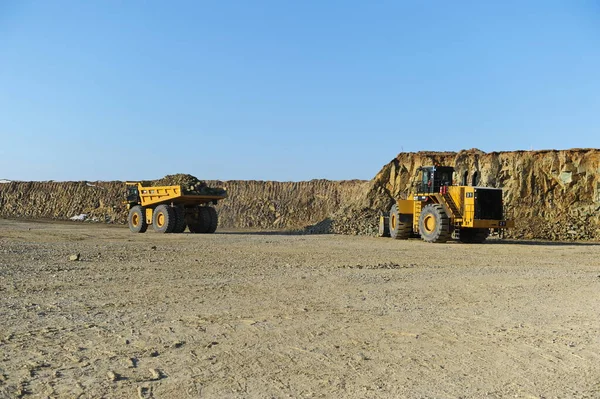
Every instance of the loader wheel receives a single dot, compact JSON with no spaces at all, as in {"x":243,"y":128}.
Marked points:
{"x":384,"y":225}
{"x":180,"y":224}
{"x":399,"y":229}
{"x":137,"y":219}
{"x":473,"y":236}
{"x":164,"y":219}
{"x":434,"y":225}
{"x":214,"y":219}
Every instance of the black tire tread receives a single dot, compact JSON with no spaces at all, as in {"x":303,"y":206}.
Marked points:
{"x":384,"y":225}
{"x":443,"y":233}
{"x":142,"y":214}
{"x":402,"y":231}
{"x":214,"y":219}
{"x":180,"y":224}
{"x":170,"y":221}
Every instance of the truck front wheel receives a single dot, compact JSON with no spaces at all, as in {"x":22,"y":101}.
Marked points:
{"x":137,"y":219}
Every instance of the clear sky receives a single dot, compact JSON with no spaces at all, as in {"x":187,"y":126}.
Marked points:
{"x":287,"y":90}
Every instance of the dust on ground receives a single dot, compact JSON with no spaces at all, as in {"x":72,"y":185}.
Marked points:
{"x":256,"y":315}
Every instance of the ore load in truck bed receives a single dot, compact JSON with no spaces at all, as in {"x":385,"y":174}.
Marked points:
{"x":190,"y":185}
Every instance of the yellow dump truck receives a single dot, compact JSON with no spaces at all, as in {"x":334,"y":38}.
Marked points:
{"x":170,"y":209}
{"x":437,"y":210}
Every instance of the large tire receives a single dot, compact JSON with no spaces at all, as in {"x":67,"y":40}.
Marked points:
{"x":137,"y":219}
{"x":192,"y":219}
{"x":399,"y":229}
{"x":164,"y":219}
{"x":214,"y":219}
{"x":474,"y":236}
{"x":199,"y":220}
{"x":384,"y":225}
{"x":434,"y":225}
{"x":180,"y":224}
{"x":194,"y":227}
{"x":204,"y":217}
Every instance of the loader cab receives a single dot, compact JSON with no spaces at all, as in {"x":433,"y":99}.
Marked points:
{"x":432,"y":178}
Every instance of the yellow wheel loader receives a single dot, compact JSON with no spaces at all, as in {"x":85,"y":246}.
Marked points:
{"x":170,"y":209}
{"x":438,"y":211}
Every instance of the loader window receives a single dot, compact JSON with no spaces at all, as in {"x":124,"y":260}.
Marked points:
{"x":432,"y":178}
{"x":465,"y":179}
{"x":446,"y":179}
{"x":426,"y":181}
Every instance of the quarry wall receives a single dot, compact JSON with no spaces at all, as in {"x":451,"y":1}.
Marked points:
{"x":550,"y":194}
{"x":553,"y":194}
{"x":251,"y":204}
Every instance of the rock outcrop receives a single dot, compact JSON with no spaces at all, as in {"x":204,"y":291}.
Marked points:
{"x":550,"y":194}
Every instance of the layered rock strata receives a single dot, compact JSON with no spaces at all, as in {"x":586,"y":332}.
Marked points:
{"x":550,"y":194}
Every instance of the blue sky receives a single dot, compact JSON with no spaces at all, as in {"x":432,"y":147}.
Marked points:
{"x":287,"y":90}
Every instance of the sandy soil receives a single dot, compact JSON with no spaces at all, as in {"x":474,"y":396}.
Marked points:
{"x":251,"y":315}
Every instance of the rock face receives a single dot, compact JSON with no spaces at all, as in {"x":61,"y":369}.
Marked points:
{"x":285,"y":205}
{"x":550,"y":195}
{"x":102,"y":201}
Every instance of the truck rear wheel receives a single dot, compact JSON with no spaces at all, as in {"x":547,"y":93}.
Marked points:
{"x":197,"y":220}
{"x":214,"y":219}
{"x":164,"y":219}
{"x":137,"y":219}
{"x":202,"y":220}
{"x":194,"y":227}
{"x":399,"y":229}
{"x":434,"y":225}
{"x":180,"y":224}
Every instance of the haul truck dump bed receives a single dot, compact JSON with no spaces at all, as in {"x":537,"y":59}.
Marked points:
{"x":170,"y":209}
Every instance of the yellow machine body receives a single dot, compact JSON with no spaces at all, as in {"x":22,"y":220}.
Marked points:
{"x":166,"y":194}
{"x":462,"y":214}
{"x":437,"y":209}
{"x":161,"y":205}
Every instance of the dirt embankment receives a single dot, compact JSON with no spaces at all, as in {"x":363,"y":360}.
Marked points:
{"x":550,"y":194}
{"x":251,"y":204}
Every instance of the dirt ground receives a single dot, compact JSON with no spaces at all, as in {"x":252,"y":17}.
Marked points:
{"x":255,"y":315}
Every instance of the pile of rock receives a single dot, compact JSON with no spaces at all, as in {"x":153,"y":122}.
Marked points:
{"x":350,"y":222}
{"x":189,"y":184}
